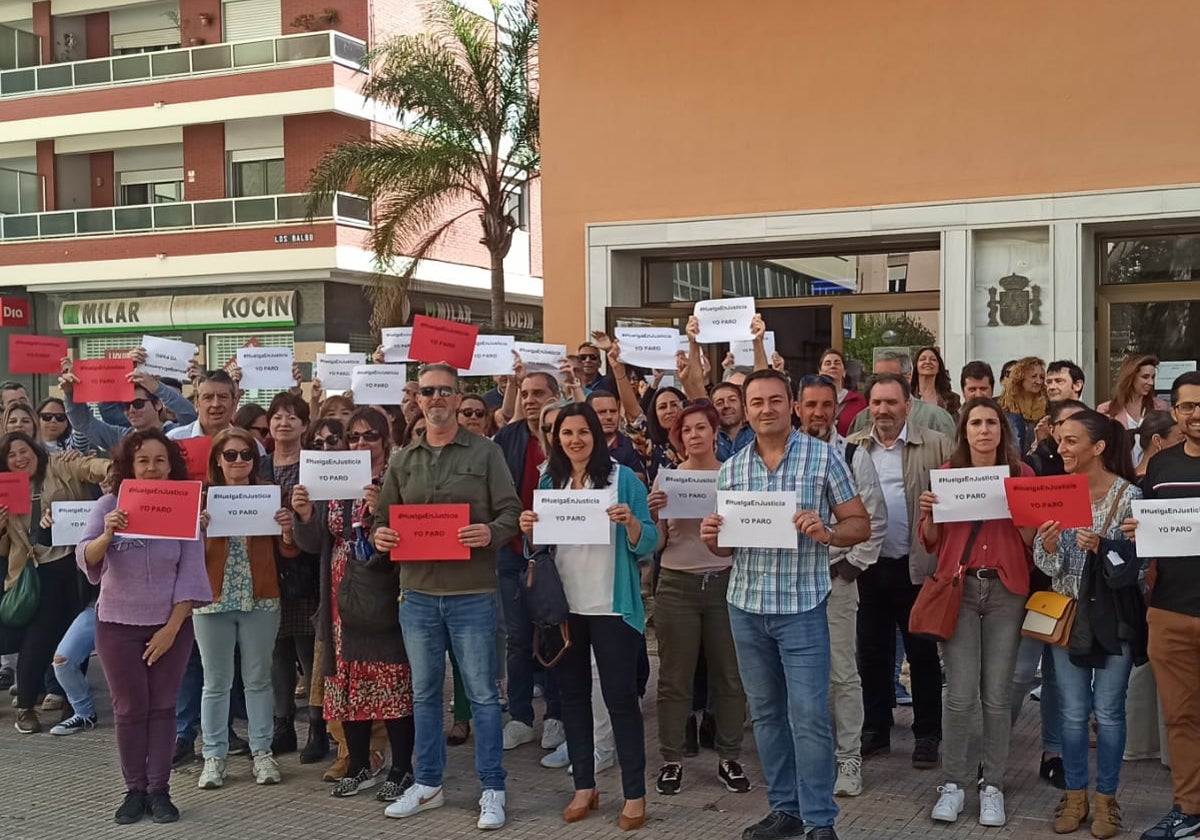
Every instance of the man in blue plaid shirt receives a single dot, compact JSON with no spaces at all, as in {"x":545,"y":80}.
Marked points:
{"x":777,"y":600}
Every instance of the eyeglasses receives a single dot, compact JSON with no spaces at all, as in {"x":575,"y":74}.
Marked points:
{"x":330,"y":441}
{"x":231,"y":455}
{"x":441,"y":390}
{"x":477,"y":413}
{"x":369,"y":437}
{"x":1184,"y":408}
{"x":138,"y":404}
{"x":261,"y":431}
{"x":53,"y":416}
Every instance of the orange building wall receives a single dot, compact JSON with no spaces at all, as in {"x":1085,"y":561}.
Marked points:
{"x":669,"y":108}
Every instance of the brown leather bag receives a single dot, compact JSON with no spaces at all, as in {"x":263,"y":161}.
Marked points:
{"x":935,"y":612}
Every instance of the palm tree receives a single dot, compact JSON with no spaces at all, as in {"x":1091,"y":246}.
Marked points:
{"x":466,"y":88}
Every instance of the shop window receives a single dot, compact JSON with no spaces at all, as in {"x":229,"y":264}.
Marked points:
{"x":221,"y":349}
{"x":256,"y":177}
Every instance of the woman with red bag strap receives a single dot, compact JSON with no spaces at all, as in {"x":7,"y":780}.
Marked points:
{"x":992,"y":558}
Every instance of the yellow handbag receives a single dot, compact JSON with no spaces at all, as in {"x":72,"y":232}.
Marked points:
{"x":1048,"y":618}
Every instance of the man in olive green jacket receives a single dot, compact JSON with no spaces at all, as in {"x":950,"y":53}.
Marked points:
{"x":451,"y":604}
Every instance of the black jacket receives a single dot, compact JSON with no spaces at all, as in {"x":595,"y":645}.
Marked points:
{"x":513,"y":440}
{"x":1110,"y":609}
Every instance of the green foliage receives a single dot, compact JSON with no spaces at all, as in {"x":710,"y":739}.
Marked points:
{"x":470,"y":133}
{"x":870,"y":329}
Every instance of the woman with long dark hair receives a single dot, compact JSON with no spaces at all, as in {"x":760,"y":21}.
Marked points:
{"x":1109,"y":635}
{"x":606,"y":615}
{"x":931,"y":382}
{"x":1158,"y":431}
{"x":143,"y":623}
{"x":1133,"y":392}
{"x":981,"y":654}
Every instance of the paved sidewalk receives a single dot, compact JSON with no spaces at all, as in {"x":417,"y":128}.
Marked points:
{"x":55,"y":788}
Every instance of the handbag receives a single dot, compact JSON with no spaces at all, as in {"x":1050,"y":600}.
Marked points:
{"x":20,"y":603}
{"x":546,"y":603}
{"x":935,"y":612}
{"x":367,"y":598}
{"x":1050,"y":616}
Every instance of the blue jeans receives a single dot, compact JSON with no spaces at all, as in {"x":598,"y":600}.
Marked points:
{"x":217,"y":637}
{"x":1082,"y":691}
{"x":1029,"y":654}
{"x":75,"y":648}
{"x":784,"y":663}
{"x":518,"y":631}
{"x":187,"y":703}
{"x":466,"y":624}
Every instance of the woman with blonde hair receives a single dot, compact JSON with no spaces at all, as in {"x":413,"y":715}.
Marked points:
{"x":1024,"y":398}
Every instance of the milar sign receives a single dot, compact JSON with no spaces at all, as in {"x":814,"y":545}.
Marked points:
{"x":129,"y":314}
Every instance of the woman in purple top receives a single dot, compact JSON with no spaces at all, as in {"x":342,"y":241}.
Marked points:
{"x":143,"y":624}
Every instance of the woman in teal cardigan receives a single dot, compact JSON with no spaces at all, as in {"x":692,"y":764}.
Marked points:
{"x":607,"y":620}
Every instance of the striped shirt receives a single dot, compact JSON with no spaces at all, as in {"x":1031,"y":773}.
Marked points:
{"x":775,"y":581}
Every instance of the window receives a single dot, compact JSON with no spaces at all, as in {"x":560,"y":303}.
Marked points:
{"x":163,"y":192}
{"x":256,"y":177}
{"x":518,"y":206}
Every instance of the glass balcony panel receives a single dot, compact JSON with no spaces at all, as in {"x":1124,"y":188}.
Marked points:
{"x":303,"y":47}
{"x":95,"y":221}
{"x":353,"y":207}
{"x":133,"y":218}
{"x":348,"y":49}
{"x":56,"y":224}
{"x":251,"y":53}
{"x":172,"y":215}
{"x":54,"y":76}
{"x":250,"y":210}
{"x":207,"y":59}
{"x":18,"y":81}
{"x":170,"y":63}
{"x":129,"y":68}
{"x":93,"y":72}
{"x":211,"y":213}
{"x":20,"y":227}
{"x":292,"y":207}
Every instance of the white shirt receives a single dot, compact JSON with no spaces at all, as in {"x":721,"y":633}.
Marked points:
{"x":193,"y":430}
{"x":889,"y":467}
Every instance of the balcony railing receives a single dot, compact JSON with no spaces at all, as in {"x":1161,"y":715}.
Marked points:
{"x":343,"y":208}
{"x":189,"y":61}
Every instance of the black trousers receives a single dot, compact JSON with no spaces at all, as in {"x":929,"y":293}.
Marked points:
{"x":56,"y":610}
{"x":885,"y":598}
{"x":618,"y":649}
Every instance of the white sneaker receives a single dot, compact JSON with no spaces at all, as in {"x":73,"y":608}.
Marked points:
{"x":266,"y":768}
{"x":553,"y":734}
{"x":991,"y":806}
{"x":491,"y":810}
{"x":600,"y":762}
{"x":558,"y":758}
{"x":517,"y":733}
{"x":213,"y":774}
{"x":949,"y":804}
{"x":849,"y":777}
{"x":416,"y":799}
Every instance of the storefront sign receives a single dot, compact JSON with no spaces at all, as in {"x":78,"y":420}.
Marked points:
{"x":14,"y":312}
{"x":130,"y":314}
{"x":518,"y":318}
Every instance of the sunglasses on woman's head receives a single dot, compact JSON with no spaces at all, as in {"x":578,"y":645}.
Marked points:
{"x":369,"y":437}
{"x":48,"y":416}
{"x":477,"y":413}
{"x":322,"y":442}
{"x":231,"y":455}
{"x":440,"y":390}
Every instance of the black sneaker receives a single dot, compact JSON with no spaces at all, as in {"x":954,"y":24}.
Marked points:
{"x":1052,"y":770}
{"x":825,"y":832}
{"x":925,"y":753}
{"x":185,"y":753}
{"x":731,"y":775}
{"x":670,"y":779}
{"x":7,"y":679}
{"x":160,"y":807}
{"x":1173,"y":826}
{"x":691,"y":744}
{"x":132,"y":809}
{"x":774,"y":826}
{"x":283,"y":738}
{"x":237,"y":744}
{"x":875,"y":743}
{"x":707,"y":734}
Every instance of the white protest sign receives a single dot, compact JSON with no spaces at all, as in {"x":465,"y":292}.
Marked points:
{"x":965,"y":495}
{"x":540,"y":358}
{"x":335,"y":370}
{"x":649,"y":347}
{"x":691,"y":494}
{"x":70,"y":518}
{"x":247,"y":511}
{"x":265,"y":367}
{"x":1167,"y":527}
{"x":1167,"y":372}
{"x":757,"y":519}
{"x":493,"y":356}
{"x":724,"y":319}
{"x":396,"y":341}
{"x":167,"y":357}
{"x":329,"y":476}
{"x":573,"y":517}
{"x":378,"y":384}
{"x":743,"y":351}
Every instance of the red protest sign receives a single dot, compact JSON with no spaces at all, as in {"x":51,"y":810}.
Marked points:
{"x":1061,"y":498}
{"x":195,"y":452}
{"x":164,"y":510}
{"x":435,"y":340}
{"x":429,"y":532}
{"x":14,"y":493}
{"x":103,"y":380}
{"x":35,"y":354}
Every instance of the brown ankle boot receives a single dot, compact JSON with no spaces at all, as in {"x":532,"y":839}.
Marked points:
{"x":1106,"y":816}
{"x":1072,"y":810}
